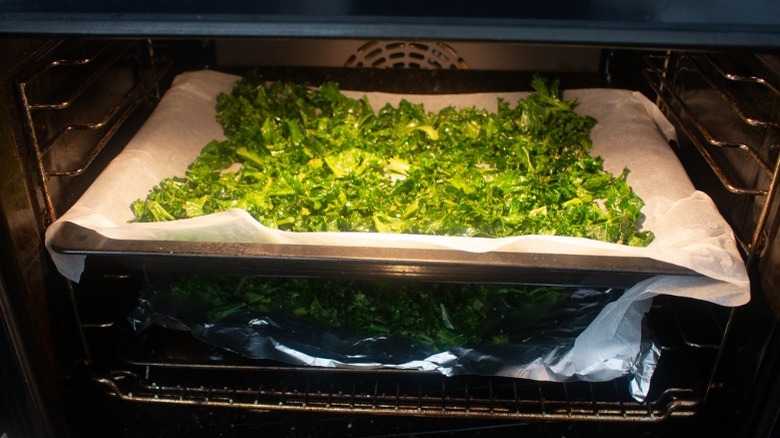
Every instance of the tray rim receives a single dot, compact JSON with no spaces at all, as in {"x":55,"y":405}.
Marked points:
{"x":288,"y":260}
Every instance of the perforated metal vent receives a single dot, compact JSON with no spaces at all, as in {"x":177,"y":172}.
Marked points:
{"x":405,"y":54}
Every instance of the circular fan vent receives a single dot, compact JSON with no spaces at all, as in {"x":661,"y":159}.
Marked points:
{"x":402,"y":54}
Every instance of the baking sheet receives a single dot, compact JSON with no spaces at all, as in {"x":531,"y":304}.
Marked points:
{"x":631,"y":132}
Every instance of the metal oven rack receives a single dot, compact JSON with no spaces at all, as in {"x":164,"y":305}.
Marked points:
{"x":170,"y":368}
{"x":726,"y":107}
{"x":691,"y":346}
{"x":74,"y":102}
{"x":739,"y":137}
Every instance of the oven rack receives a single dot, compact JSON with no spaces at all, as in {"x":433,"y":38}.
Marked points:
{"x":170,"y":367}
{"x":749,"y":145}
{"x":52,"y":128}
{"x":404,"y":395}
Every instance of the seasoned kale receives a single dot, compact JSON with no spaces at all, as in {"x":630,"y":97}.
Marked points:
{"x":311,"y":159}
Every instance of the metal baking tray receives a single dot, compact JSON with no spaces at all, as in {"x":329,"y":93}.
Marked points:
{"x":441,"y":265}
{"x":98,"y":226}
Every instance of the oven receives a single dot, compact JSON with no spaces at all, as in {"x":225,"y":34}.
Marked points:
{"x":81,"y":80}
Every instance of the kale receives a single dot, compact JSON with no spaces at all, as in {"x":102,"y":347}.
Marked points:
{"x":311,"y":159}
{"x":437,"y":315}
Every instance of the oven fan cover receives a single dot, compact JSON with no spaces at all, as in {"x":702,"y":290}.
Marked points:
{"x":405,"y":54}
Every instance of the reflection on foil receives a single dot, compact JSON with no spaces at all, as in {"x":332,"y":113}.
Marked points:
{"x":590,"y":335}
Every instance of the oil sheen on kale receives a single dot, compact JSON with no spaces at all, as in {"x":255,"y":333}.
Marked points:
{"x":311,"y":159}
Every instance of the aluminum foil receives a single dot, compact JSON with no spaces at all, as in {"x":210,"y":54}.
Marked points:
{"x":590,"y":335}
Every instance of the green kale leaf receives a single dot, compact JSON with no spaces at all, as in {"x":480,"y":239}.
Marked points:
{"x":311,"y":159}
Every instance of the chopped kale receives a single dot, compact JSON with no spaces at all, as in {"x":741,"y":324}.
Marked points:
{"x":437,"y":315}
{"x":311,"y":159}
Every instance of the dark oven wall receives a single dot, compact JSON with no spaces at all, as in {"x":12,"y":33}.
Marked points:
{"x":31,"y":368}
{"x":74,"y":341}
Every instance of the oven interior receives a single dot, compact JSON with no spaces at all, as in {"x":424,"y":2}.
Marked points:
{"x":74,"y":103}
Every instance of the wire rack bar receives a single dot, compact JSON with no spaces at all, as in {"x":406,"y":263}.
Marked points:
{"x":104,"y":58}
{"x":672,"y":99}
{"x":116,"y":115}
{"x":490,"y":398}
{"x":708,"y":69}
{"x":114,"y":55}
{"x":747,"y":79}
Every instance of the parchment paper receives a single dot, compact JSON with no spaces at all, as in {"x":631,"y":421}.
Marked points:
{"x":631,"y":132}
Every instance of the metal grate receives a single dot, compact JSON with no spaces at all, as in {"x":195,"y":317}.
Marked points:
{"x":161,"y":370}
{"x":78,"y":98}
{"x":406,"y":54}
{"x":696,"y":129}
{"x":399,"y":394}
{"x":731,"y":119}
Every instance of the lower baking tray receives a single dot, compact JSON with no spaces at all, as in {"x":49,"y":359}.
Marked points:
{"x":169,"y":367}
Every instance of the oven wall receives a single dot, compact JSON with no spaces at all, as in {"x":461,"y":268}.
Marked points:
{"x":406,"y":54}
{"x":37,"y":345}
